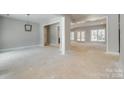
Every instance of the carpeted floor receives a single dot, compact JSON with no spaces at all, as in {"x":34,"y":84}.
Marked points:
{"x":83,"y":61}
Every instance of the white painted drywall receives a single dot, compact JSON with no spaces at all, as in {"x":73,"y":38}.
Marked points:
{"x":13,"y":34}
{"x":122,"y":39}
{"x":46,"y":23}
{"x":112,"y":33}
{"x":64,"y":23}
{"x":65,"y":34}
{"x":53,"y":34}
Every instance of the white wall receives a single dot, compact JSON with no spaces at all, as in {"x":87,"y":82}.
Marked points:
{"x":122,"y":39}
{"x":13,"y":34}
{"x":112,"y":33}
{"x":49,"y":22}
{"x":53,"y":34}
{"x":65,"y":34}
{"x":64,"y":23}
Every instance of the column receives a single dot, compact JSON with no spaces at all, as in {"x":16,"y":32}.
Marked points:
{"x":112,"y":34}
{"x":65,"y":34}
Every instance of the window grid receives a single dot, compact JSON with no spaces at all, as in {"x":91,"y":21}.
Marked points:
{"x":98,"y":35}
{"x":82,"y":36}
{"x":72,"y":36}
{"x":78,"y":36}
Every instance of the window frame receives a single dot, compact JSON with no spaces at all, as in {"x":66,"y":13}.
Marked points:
{"x":98,"y":35}
{"x":82,"y":35}
{"x":72,"y":36}
{"x":78,"y":36}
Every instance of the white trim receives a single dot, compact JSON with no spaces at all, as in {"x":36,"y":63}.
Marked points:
{"x":113,"y":53}
{"x":107,"y":34}
{"x":18,"y":48}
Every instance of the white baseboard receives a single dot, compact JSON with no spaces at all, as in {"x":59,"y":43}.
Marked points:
{"x":113,"y":53}
{"x":18,"y":48}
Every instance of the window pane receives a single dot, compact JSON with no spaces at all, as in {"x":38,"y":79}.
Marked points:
{"x":93,"y":35}
{"x":82,"y":36}
{"x":72,"y":36}
{"x":78,"y":36}
{"x":101,"y":35}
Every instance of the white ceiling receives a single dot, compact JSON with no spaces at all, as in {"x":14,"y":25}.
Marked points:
{"x":37,"y":18}
{"x":41,"y":18}
{"x":84,"y":17}
{"x":83,"y":20}
{"x":91,"y":23}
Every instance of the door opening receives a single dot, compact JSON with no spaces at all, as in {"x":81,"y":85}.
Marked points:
{"x":52,"y":35}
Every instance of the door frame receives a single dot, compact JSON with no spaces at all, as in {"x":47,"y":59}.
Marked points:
{"x":58,"y":32}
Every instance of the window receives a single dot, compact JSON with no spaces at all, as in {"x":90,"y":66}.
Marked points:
{"x":78,"y":36}
{"x":101,"y":35}
{"x":72,"y":36}
{"x":98,"y":35}
{"x":82,"y":36}
{"x":94,"y":35}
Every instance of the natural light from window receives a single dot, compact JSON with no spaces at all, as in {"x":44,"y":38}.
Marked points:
{"x":82,"y":36}
{"x":72,"y":36}
{"x":98,"y":35}
{"x":78,"y":36}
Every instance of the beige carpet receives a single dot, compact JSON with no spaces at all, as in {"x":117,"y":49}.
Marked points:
{"x":83,"y":61}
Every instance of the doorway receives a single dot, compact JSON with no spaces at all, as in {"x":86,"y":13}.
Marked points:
{"x":52,"y":35}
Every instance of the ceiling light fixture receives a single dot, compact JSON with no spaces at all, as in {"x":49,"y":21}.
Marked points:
{"x":28,"y":26}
